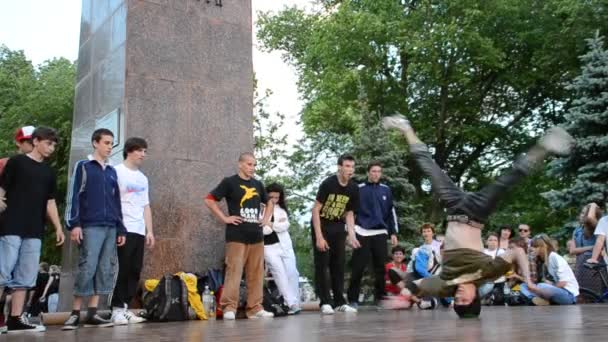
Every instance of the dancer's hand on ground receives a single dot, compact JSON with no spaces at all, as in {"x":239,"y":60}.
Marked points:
{"x":121,"y":240}
{"x":394,"y":240}
{"x":150,"y":240}
{"x":591,"y":261}
{"x":76,"y":235}
{"x":354,"y":243}
{"x":322,"y":245}
{"x":234,"y":220}
{"x":59,"y":237}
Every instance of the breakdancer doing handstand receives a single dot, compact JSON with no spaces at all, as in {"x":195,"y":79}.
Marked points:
{"x":464,"y":265}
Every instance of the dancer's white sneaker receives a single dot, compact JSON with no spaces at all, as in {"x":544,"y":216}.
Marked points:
{"x":396,"y":121}
{"x":557,"y":141}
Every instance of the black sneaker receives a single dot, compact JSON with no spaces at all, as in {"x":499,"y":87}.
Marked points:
{"x":21,"y":324}
{"x":71,"y":323}
{"x":97,"y":322}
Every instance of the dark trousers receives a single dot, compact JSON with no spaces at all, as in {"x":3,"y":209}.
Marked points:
{"x":374,"y":248}
{"x":478,"y":205}
{"x":329,"y":268}
{"x":130,"y":263}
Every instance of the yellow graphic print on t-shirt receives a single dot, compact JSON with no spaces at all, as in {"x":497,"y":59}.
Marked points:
{"x":249,"y":194}
{"x":334,"y":207}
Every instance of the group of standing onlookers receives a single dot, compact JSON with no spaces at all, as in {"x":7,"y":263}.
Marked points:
{"x":107,"y":215}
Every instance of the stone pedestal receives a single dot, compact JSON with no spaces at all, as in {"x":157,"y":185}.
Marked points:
{"x":179,"y":74}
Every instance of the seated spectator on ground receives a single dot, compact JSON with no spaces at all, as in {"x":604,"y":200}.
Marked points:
{"x":506,"y":232}
{"x":398,"y":257}
{"x":515,"y":277}
{"x":559,"y":285}
{"x":50,"y":295}
{"x":34,"y":305}
{"x":492,"y":292}
{"x":583,"y":242}
{"x":426,"y":262}
{"x":394,"y":299}
{"x":601,"y":244}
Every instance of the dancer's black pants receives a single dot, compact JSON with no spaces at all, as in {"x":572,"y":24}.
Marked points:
{"x":478,"y":206}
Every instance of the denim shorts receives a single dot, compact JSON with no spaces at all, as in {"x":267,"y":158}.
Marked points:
{"x":19,"y":260}
{"x":97,"y":262}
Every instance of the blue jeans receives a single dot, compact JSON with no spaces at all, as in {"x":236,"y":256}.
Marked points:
{"x":19,"y":260}
{"x":53,"y":301}
{"x":97,"y":262}
{"x":557,"y":295}
{"x":485,"y":289}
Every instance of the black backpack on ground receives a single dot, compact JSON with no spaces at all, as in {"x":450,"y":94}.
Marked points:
{"x":168,"y":302}
{"x":273,"y":302}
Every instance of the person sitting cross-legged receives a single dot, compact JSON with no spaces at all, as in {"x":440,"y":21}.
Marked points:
{"x":559,"y":285}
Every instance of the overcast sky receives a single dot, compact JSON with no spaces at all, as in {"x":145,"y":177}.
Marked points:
{"x":45,"y":29}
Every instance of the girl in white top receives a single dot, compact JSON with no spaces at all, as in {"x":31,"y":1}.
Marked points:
{"x":493,"y":251}
{"x":562,"y":288}
{"x":278,"y":250}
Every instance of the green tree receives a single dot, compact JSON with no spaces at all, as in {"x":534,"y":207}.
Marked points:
{"x":38,"y":96}
{"x":478,"y":79}
{"x":270,"y":143}
{"x":587,"y":121}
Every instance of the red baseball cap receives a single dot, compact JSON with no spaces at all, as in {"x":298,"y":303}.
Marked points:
{"x":24,"y":133}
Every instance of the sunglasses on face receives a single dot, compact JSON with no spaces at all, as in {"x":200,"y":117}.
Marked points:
{"x":524,"y":230}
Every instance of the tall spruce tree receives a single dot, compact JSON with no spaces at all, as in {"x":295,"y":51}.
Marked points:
{"x":587,"y":121}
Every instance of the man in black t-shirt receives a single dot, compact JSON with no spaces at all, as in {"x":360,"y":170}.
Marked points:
{"x":335,"y":205}
{"x":29,"y":186}
{"x":244,"y":236}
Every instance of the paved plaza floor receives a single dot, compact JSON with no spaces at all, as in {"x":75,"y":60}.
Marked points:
{"x":543,"y":324}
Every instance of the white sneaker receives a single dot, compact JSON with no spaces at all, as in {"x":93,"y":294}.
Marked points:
{"x":557,"y":141}
{"x":229,"y":315}
{"x":346,"y":308}
{"x":118,"y":316}
{"x":294,"y":309}
{"x":262,"y":314}
{"x":397,"y":121}
{"x":3,"y":329}
{"x":132,"y":318}
{"x":326,"y":309}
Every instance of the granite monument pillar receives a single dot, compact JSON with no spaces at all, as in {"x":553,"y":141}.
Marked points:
{"x":179,"y":74}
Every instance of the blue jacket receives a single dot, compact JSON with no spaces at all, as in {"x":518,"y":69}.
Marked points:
{"x":376,"y":210}
{"x":94,"y":197}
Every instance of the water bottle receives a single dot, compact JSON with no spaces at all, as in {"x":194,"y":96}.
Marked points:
{"x":212,"y":306}
{"x":208,"y":301}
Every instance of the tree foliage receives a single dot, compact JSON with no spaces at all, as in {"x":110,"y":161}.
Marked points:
{"x":478,"y":79}
{"x":38,"y":96}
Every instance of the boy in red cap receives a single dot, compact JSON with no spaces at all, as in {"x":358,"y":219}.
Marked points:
{"x":23,"y":140}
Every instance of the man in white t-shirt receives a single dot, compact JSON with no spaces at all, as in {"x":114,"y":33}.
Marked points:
{"x":137,"y":218}
{"x":601,"y":231}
